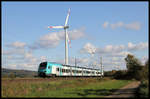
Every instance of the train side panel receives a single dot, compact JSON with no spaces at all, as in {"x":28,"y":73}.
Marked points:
{"x":50,"y":68}
{"x":57,"y":69}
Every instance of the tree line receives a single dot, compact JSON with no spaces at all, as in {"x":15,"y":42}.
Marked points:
{"x":135,"y":70}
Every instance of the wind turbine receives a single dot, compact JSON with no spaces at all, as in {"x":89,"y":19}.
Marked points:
{"x":65,"y":27}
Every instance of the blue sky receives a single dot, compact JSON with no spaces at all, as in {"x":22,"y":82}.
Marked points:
{"x":108,"y":29}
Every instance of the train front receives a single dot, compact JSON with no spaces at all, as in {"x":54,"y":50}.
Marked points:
{"x":42,"y":69}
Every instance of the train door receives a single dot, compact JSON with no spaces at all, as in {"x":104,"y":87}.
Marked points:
{"x":49,"y":69}
{"x":54,"y":69}
{"x":70,"y":71}
{"x":59,"y":71}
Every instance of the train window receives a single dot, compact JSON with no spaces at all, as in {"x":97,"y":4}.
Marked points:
{"x":73,"y":71}
{"x":68,"y":70}
{"x":48,"y":67}
{"x":57,"y":69}
{"x":43,"y":65}
{"x":63,"y":70}
{"x":87,"y":72}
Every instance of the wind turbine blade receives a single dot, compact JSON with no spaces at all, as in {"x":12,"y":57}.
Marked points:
{"x":56,"y":27}
{"x":67,"y":17}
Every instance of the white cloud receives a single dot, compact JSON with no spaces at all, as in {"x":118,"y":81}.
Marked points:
{"x":123,"y":54}
{"x":117,"y":25}
{"x":27,"y":66}
{"x":113,"y":48}
{"x":77,"y":34}
{"x":110,"y":49}
{"x":28,"y":55}
{"x":105,"y":25}
{"x":17,"y":57}
{"x":131,"y":26}
{"x":136,"y":47}
{"x":83,"y":61}
{"x":26,"y":61}
{"x":11,"y":66}
{"x":16,"y":44}
{"x":88,"y":48}
{"x":52,"y":40}
{"x":14,"y":51}
{"x":113,"y":55}
{"x":43,"y":58}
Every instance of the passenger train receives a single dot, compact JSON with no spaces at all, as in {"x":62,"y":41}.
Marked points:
{"x":54,"y":69}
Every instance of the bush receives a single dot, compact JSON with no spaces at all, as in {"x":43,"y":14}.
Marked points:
{"x":120,"y":75}
{"x":143,"y":91}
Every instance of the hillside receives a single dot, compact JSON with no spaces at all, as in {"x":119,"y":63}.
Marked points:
{"x":17,"y":73}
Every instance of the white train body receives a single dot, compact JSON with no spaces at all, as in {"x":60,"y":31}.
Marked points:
{"x":50,"y":68}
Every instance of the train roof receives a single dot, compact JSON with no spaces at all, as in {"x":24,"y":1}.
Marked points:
{"x":79,"y":67}
{"x":72,"y":66}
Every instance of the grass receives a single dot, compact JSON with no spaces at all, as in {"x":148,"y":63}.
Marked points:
{"x":91,"y":87}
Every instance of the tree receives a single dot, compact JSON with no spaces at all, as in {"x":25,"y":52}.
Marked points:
{"x":145,"y":72}
{"x":134,"y":67}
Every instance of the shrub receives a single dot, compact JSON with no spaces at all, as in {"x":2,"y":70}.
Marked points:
{"x":143,"y":91}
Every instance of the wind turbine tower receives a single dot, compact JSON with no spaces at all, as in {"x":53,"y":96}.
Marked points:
{"x":65,"y":27}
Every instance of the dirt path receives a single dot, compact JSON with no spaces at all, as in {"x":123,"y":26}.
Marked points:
{"x":126,"y":91}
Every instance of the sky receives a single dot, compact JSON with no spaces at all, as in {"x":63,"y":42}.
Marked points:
{"x":110,"y":30}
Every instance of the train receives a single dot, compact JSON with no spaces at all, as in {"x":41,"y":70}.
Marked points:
{"x":53,"y":69}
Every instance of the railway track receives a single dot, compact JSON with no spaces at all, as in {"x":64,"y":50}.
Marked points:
{"x":48,"y":78}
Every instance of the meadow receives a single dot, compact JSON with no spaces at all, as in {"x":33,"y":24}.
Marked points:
{"x":77,"y":87}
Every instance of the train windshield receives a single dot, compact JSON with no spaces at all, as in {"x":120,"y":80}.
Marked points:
{"x":43,"y":65}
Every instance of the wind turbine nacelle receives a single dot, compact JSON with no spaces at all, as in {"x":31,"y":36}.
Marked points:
{"x":65,"y":27}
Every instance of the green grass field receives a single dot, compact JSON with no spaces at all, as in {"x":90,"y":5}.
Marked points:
{"x":91,"y":87}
